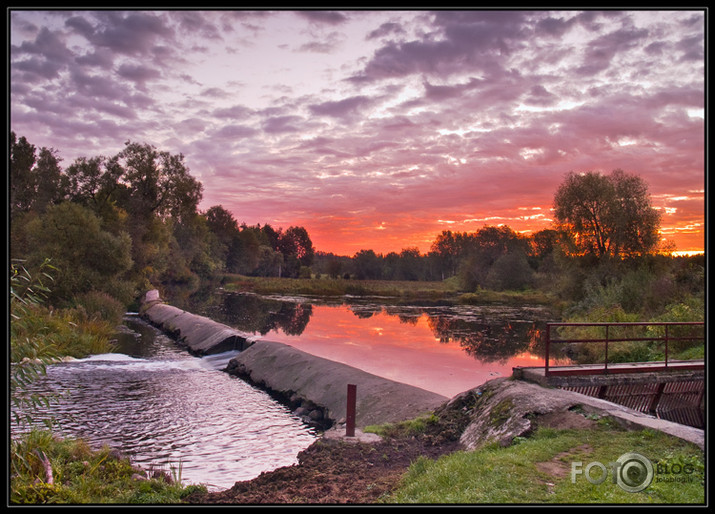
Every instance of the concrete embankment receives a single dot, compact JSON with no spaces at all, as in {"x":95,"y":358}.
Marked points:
{"x":315,"y":387}
{"x":281,"y":368}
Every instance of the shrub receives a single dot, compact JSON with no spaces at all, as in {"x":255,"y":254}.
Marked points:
{"x":102,"y":306}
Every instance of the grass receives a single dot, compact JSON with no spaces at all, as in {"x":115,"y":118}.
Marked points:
{"x":405,"y":428}
{"x":538,"y":469}
{"x":80,"y":475}
{"x":437,"y":291}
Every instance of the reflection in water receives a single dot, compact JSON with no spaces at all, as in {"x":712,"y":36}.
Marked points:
{"x":445,"y":349}
{"x":251,"y":313}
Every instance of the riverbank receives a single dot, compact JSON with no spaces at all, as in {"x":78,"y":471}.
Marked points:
{"x":444,"y":292}
{"x":488,"y":445}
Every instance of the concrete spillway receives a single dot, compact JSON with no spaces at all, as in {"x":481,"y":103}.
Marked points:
{"x":291,"y":373}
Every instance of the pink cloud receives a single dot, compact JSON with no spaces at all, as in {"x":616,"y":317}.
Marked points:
{"x":405,"y":119}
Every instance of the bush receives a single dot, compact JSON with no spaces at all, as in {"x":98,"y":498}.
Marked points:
{"x":102,"y":306}
{"x":510,"y":271}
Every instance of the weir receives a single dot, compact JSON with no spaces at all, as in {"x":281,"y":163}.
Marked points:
{"x":316,"y":386}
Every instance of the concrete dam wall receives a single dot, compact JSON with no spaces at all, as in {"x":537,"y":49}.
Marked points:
{"x":313,"y":384}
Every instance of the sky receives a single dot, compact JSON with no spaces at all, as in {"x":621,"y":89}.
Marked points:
{"x":378,"y":129}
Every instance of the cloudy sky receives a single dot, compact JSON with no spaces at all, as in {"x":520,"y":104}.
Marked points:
{"x":377,"y":129}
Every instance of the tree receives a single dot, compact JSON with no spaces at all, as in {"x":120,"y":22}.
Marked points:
{"x":22,"y":180}
{"x":159,"y":182}
{"x":52,"y":184}
{"x":411,"y":264}
{"x":607,"y":216}
{"x":446,"y":249}
{"x":94,"y":181}
{"x":36,"y":181}
{"x":297,"y":250}
{"x":367,"y":265}
{"x":85,"y":256}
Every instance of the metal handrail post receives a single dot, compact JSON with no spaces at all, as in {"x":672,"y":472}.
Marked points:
{"x":605,"y":364}
{"x":666,"y":346}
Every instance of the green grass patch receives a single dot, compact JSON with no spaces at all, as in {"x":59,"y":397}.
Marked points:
{"x":80,"y":475}
{"x":326,"y":286}
{"x":538,"y":470}
{"x":408,"y":428}
{"x":486,"y":296}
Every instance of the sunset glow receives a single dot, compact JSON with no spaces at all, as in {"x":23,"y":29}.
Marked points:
{"x":378,"y":129}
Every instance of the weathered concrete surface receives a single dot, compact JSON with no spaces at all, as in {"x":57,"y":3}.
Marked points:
{"x":505,"y":408}
{"x":200,"y":335}
{"x":287,"y":370}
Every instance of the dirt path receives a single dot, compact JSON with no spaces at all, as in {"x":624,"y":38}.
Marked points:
{"x":333,"y":472}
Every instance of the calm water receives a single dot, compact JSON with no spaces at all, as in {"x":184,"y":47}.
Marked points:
{"x":445,"y":349}
{"x":164,"y":408}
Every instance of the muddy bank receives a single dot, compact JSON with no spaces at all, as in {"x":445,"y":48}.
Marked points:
{"x":334,"y":471}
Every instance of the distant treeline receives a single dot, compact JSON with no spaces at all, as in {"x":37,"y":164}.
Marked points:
{"x":122,"y":224}
{"x":492,"y":257}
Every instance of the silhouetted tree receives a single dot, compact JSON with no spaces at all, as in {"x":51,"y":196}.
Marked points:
{"x":607,"y":215}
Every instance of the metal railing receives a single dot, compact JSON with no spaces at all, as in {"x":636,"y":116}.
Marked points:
{"x":609,"y":339}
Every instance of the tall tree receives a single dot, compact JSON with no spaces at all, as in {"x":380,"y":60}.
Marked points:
{"x":297,"y":250}
{"x":94,"y":181}
{"x":52,"y":184}
{"x":607,"y":215}
{"x":23,"y":184}
{"x":159,"y":182}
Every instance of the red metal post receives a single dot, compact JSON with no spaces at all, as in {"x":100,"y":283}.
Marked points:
{"x":548,"y":343}
{"x":666,"y":346}
{"x":350,"y":415}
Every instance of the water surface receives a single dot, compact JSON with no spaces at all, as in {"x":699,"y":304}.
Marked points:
{"x":444,"y":349}
{"x":165,"y":408}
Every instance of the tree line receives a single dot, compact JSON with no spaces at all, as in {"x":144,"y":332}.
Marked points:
{"x":128,"y":222}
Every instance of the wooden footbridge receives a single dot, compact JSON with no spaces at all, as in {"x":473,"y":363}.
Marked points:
{"x":669,"y":389}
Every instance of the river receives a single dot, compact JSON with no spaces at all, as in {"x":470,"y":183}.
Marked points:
{"x":446,"y":349}
{"x":166,"y":408}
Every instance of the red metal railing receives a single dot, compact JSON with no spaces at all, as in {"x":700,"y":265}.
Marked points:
{"x":633,"y":367}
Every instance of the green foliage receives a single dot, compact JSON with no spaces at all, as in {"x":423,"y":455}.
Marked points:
{"x":81,"y":475}
{"x":85,"y":256}
{"x":511,"y":271}
{"x":100,"y":305}
{"x":29,"y":355}
{"x":408,"y":428}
